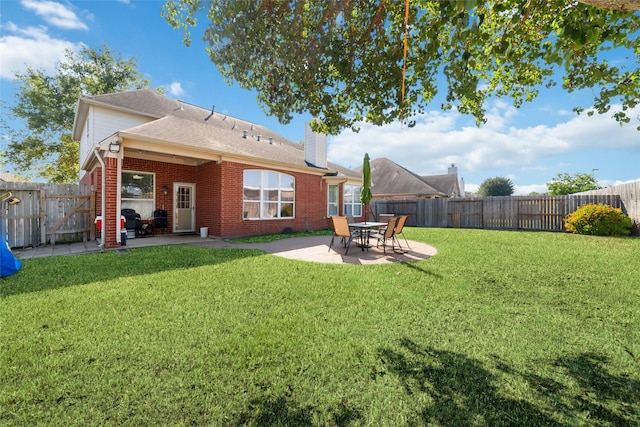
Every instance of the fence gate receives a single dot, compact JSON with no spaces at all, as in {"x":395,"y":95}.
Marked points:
{"x":47,"y":213}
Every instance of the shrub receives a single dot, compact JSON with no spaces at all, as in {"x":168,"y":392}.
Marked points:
{"x":598,"y":220}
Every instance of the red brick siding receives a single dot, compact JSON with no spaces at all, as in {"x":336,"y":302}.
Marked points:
{"x":310,"y":204}
{"x":208,"y":203}
{"x":219,"y":194}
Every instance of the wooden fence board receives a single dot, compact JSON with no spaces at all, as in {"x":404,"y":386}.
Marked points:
{"x":539,"y":213}
{"x":48,"y":213}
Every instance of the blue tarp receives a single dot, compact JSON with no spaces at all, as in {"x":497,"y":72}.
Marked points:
{"x":8,"y":263}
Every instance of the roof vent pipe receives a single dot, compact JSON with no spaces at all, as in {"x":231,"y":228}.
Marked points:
{"x":259,"y":136}
{"x":244,"y":134}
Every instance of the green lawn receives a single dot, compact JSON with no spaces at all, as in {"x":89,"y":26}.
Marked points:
{"x":500,"y":328}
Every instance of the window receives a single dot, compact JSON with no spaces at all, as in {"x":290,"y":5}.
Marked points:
{"x":137,"y":192}
{"x":351,"y":201}
{"x":332,"y":200}
{"x":268,"y":194}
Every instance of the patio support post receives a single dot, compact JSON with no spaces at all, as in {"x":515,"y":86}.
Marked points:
{"x":102,"y":196}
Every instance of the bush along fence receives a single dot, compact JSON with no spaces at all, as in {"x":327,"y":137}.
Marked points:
{"x":540,"y":213}
{"x":47,"y":213}
{"x":629,"y":194}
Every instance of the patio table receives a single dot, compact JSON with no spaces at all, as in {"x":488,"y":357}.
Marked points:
{"x":364,"y":229}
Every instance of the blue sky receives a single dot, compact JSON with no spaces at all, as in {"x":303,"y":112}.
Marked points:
{"x":529,"y":145}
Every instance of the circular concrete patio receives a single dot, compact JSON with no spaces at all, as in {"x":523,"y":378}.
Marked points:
{"x":316,"y":249}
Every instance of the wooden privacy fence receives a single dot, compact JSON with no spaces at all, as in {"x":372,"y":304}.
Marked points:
{"x":543,"y":213}
{"x":47,"y":213}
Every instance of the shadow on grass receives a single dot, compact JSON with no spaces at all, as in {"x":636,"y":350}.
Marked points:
{"x":284,"y":411}
{"x":462,"y":391}
{"x":50,"y":273}
{"x":422,"y":269}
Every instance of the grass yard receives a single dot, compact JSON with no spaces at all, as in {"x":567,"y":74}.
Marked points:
{"x":500,"y":328}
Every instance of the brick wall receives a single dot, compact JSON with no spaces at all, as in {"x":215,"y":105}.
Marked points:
{"x":310,"y":205}
{"x":219,"y":195}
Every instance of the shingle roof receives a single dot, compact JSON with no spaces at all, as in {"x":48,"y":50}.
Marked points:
{"x":447,"y":183}
{"x":188,"y":133}
{"x":390,"y":178}
{"x":182,"y":124}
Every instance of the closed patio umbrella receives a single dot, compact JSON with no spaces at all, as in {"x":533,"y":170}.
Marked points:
{"x":365,"y":193}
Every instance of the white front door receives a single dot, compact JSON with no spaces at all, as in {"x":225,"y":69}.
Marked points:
{"x":184,"y":215}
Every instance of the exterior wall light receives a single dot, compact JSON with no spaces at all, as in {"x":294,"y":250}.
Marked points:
{"x":114,"y":147}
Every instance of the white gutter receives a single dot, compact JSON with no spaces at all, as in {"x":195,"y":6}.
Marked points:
{"x":103,"y":195}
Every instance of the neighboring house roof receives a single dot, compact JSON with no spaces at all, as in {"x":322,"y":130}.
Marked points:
{"x":447,"y":183}
{"x":389,"y":178}
{"x":178,"y":126}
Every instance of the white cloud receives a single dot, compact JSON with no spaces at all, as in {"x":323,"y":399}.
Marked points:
{"x":55,"y":14}
{"x":440,"y":138}
{"x":175,"y":89}
{"x":30,"y":47}
{"x":525,"y":190}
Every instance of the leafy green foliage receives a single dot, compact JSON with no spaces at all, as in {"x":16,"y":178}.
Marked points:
{"x":598,"y":220}
{"x":498,"y":186}
{"x":46,"y":104}
{"x":343,"y":61}
{"x":564,"y":184}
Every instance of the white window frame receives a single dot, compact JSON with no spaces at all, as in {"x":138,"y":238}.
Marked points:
{"x":351,"y":204}
{"x":333,"y":207}
{"x":266,"y":209}
{"x":142,"y":205}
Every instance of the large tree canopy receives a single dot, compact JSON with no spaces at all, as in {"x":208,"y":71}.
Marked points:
{"x":563,"y":184}
{"x":345,"y":61}
{"x":46,"y":104}
{"x":498,"y":186}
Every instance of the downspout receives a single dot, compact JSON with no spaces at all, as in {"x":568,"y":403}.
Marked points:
{"x":103,"y":205}
{"x":119,"y":157}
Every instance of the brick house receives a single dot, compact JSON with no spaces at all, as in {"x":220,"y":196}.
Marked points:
{"x":146,"y":152}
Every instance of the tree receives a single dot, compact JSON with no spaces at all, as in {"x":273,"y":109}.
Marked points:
{"x":348,"y":61}
{"x":564,"y":184}
{"x":498,"y":186}
{"x":46,"y":104}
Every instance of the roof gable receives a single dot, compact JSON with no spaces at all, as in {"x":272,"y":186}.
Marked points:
{"x":447,"y":183}
{"x":390,"y":178}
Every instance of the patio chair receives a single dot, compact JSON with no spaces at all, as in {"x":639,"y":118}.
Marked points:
{"x":341,"y":229}
{"x":399,"y":227}
{"x":388,"y":234}
{"x":354,"y":233}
